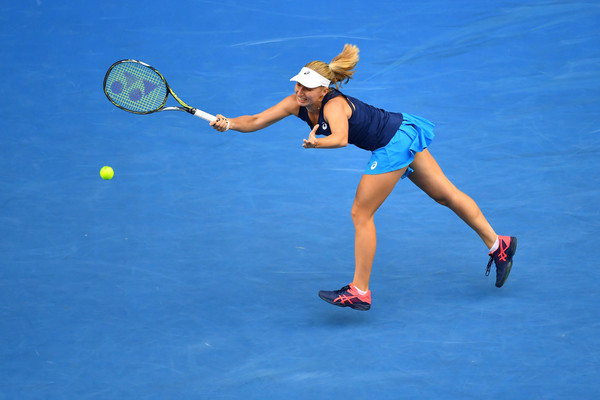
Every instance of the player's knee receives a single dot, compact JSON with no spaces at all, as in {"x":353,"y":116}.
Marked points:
{"x":451,"y":198}
{"x":359,"y":215}
{"x":443,"y":199}
{"x":355,"y":213}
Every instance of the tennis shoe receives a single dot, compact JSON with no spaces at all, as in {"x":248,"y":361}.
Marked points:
{"x":503,"y":258}
{"x":348,"y":296}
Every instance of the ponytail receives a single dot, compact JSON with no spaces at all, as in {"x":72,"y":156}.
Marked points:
{"x":341,"y":68}
{"x":343,"y":64}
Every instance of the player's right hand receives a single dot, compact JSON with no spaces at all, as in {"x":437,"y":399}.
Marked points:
{"x":221,"y":123}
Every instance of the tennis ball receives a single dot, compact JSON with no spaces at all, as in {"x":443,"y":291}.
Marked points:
{"x":107,"y":172}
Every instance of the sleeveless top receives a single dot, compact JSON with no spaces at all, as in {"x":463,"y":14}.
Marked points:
{"x":369,"y":128}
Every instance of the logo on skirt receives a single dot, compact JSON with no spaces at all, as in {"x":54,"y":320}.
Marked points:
{"x":374,"y":165}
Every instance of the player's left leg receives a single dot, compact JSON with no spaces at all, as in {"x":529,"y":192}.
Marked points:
{"x":429,"y":177}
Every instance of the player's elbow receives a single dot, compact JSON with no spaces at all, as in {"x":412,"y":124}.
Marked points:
{"x":258,"y":122}
{"x":341,"y":142}
{"x":337,"y":139}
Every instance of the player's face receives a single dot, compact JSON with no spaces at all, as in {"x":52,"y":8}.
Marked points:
{"x":307,"y":97}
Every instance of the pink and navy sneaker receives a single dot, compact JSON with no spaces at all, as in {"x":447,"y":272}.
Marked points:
{"x":347,"y":296}
{"x":503,"y":258}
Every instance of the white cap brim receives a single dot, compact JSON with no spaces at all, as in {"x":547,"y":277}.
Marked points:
{"x":310,"y":78}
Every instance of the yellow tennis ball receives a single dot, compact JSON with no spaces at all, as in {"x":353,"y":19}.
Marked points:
{"x":107,"y":172}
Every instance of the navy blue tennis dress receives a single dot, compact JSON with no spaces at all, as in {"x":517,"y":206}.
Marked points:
{"x":393,"y":138}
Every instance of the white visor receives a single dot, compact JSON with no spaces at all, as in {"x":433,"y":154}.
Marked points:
{"x":310,"y":78}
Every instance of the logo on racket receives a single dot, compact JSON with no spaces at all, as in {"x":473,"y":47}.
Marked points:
{"x":135,"y":94}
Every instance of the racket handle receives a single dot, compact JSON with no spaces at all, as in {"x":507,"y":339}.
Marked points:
{"x":204,"y":115}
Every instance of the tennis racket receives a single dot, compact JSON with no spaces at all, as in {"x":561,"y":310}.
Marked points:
{"x":137,"y":87}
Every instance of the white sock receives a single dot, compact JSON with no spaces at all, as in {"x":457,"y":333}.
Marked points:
{"x":361,"y":292}
{"x":496,"y":245}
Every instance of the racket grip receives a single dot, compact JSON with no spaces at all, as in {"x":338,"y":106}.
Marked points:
{"x":204,"y":115}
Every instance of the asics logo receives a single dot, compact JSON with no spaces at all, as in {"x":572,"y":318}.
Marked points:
{"x":374,"y":165}
{"x":503,"y":247}
{"x":324,"y":126}
{"x":345,"y":299}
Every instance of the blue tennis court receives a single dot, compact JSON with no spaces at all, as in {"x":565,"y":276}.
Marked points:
{"x":194,"y":272}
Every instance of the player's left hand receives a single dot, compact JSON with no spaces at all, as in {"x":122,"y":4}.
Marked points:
{"x":311,"y":142}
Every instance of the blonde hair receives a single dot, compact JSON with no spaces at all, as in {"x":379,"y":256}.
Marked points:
{"x":341,"y":68}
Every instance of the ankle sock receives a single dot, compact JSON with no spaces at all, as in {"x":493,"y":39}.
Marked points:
{"x":496,"y":245}
{"x":361,"y":292}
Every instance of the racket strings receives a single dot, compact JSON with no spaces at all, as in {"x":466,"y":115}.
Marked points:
{"x":135,"y":87}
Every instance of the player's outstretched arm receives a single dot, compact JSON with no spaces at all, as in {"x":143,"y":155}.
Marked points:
{"x":251,"y":123}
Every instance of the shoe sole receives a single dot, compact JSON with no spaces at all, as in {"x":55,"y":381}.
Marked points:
{"x":359,"y":307}
{"x":513,"y":240}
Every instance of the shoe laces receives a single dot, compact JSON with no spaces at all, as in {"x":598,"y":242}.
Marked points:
{"x":344,"y":289}
{"x":489,"y":266}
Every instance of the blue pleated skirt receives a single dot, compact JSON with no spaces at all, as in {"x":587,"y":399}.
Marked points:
{"x":414,"y":135}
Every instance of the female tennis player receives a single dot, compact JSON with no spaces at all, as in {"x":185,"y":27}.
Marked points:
{"x":398,"y":142}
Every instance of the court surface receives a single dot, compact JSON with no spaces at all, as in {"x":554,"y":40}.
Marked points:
{"x":194,"y":273}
